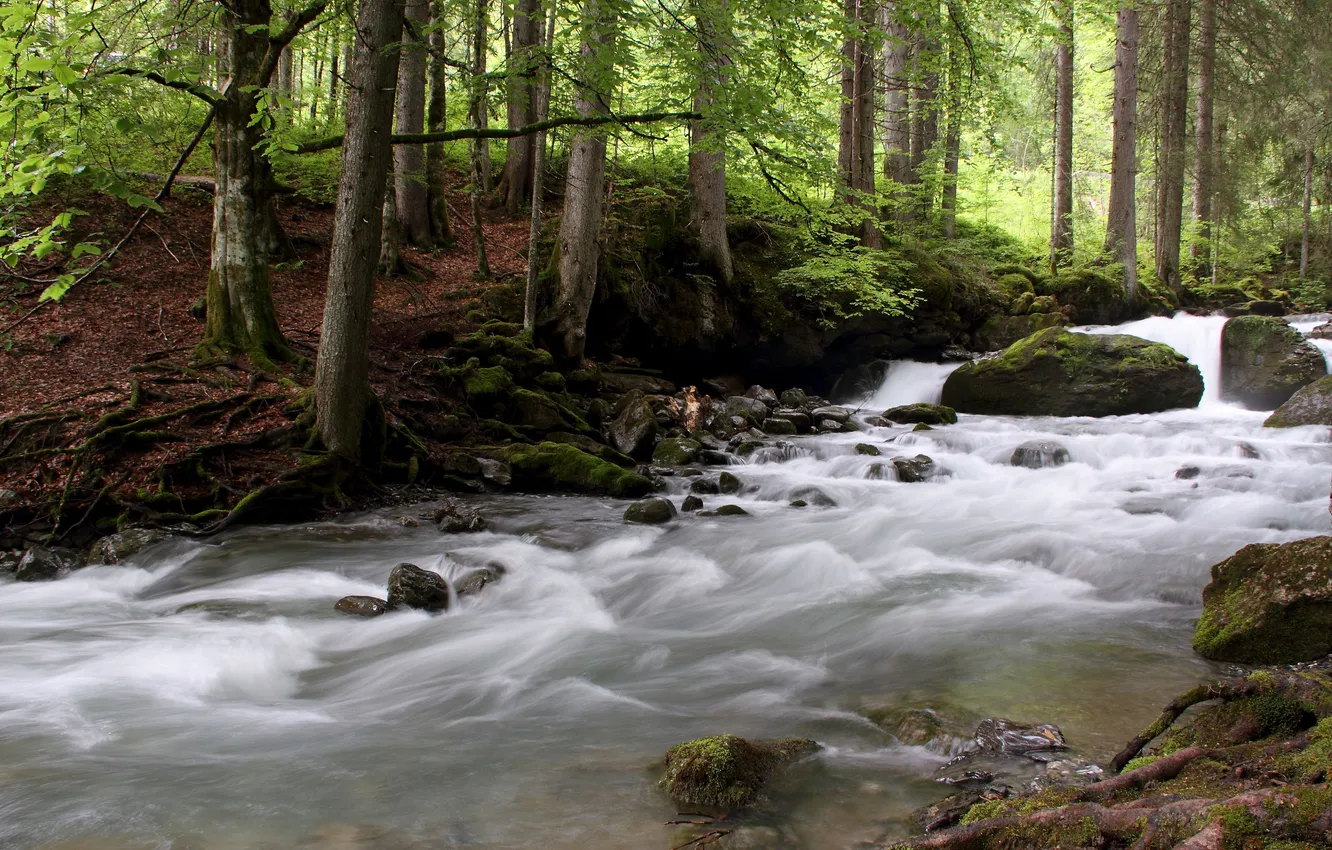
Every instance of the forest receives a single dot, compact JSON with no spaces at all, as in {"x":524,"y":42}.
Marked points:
{"x":418,"y":416}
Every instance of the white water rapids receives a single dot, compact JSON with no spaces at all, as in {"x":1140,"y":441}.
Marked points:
{"x":207,"y":696}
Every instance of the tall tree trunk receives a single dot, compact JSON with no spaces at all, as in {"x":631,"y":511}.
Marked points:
{"x":521,"y":84}
{"x":1061,"y":223}
{"x":390,"y":237}
{"x":478,"y":107}
{"x":1202,"y":139}
{"x":924,"y":111}
{"x":342,"y":370}
{"x":952,"y":144}
{"x":286,"y":79}
{"x":1174,"y":121}
{"x":707,"y":146}
{"x":856,"y":136}
{"x":436,"y":120}
{"x":409,"y":165}
{"x":538,"y":177}
{"x":1121,"y":234}
{"x":896,"y":101}
{"x":580,"y":225}
{"x":1308,"y":211}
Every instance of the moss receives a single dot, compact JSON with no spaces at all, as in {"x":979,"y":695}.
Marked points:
{"x":552,"y":381}
{"x":725,"y":771}
{"x":1005,"y":269}
{"x":1140,"y":761}
{"x":488,"y":383}
{"x":557,"y":466}
{"x":1051,"y":798}
{"x":1095,"y":297}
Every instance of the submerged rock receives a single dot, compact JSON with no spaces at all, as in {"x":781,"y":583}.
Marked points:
{"x":1058,"y":373}
{"x":1310,"y":405}
{"x":453,"y":518}
{"x":1264,"y":361}
{"x":409,"y":586}
{"x":912,"y":470}
{"x":726,"y":510}
{"x":477,"y":580}
{"x":725,"y":771}
{"x":691,"y":504}
{"x":362,"y":606}
{"x":116,"y":548}
{"x":652,"y":511}
{"x":1269,"y":604}
{"x":728,"y":483}
{"x":1038,"y":454}
{"x":922,"y":413}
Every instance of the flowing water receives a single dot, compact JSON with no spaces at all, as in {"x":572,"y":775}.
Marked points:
{"x":206,"y":696}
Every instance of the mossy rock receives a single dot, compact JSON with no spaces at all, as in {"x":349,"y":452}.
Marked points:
{"x":1058,"y":373}
{"x":725,"y":771}
{"x":1264,"y":361}
{"x":1012,"y":285}
{"x":1269,"y":604}
{"x":562,"y":467}
{"x":489,"y":383}
{"x":921,"y":412}
{"x":676,"y":451}
{"x":540,"y":413}
{"x":999,"y":332}
{"x":1094,"y":296}
{"x":1005,"y":269}
{"x":1311,"y":405}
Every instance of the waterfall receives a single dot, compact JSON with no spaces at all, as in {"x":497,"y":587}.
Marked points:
{"x":910,"y":381}
{"x":1196,"y":337}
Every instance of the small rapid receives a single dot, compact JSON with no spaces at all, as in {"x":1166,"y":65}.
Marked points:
{"x":206,"y":695}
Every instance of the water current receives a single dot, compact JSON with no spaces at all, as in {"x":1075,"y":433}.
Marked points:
{"x":206,"y":695}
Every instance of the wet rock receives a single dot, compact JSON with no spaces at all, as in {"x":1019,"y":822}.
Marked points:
{"x":634,"y":429}
{"x":999,"y":332}
{"x":1266,"y":308}
{"x":726,"y":510}
{"x":691,"y":504}
{"x":1187,"y":473}
{"x":122,"y":545}
{"x":1038,"y":454}
{"x":9,"y":560}
{"x":922,"y":727}
{"x":652,"y":511}
{"x":728,"y":483}
{"x":1264,"y":361}
{"x":813,"y":496}
{"x":748,"y":447}
{"x":798,"y":418}
{"x":556,"y":466}
{"x":1323,"y":331}
{"x":584,"y":443}
{"x":727,"y":772}
{"x":751,"y":409}
{"x":867,"y":449}
{"x":713,"y":457}
{"x":1246,"y":450}
{"x":1269,"y":604}
{"x":799,"y":503}
{"x":779,"y":427}
{"x":409,"y":586}
{"x":705,"y":487}
{"x":623,"y":382}
{"x":42,"y":564}
{"x":763,"y":394}
{"x":453,"y":518}
{"x":912,"y":470}
{"x":834,"y":412}
{"x":925,"y":414}
{"x":1058,"y":373}
{"x":1310,"y":405}
{"x":921,"y":426}
{"x":676,"y":451}
{"x":362,"y":606}
{"x":995,"y":735}
{"x":830,"y":426}
{"x":477,"y":580}
{"x":408,"y":522}
{"x":794,"y":398}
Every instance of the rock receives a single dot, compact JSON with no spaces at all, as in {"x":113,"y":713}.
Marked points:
{"x":453,"y":518}
{"x":996,"y":735}
{"x":913,"y":470}
{"x":477,"y":580}
{"x":794,"y":397}
{"x":725,"y":771}
{"x":1058,"y":373}
{"x":1266,"y":308}
{"x":592,"y":447}
{"x":1096,"y":299}
{"x":763,"y":394}
{"x":798,"y":418}
{"x":713,"y":457}
{"x":116,"y":548}
{"x":539,"y":413}
{"x":652,"y":511}
{"x":42,"y":564}
{"x":9,"y":560}
{"x":779,"y":427}
{"x":834,"y":412}
{"x":1310,"y":405}
{"x":731,"y":510}
{"x":925,"y":414}
{"x":691,"y":504}
{"x":1246,"y":450}
{"x":704,"y":487}
{"x":409,"y":586}
{"x":8,"y":498}
{"x":922,"y":727}
{"x":728,"y":483}
{"x":999,"y":332}
{"x":1038,"y":454}
{"x":799,"y":503}
{"x":1264,"y":361}
{"x":1269,"y":603}
{"x":751,"y":409}
{"x":362,"y":606}
{"x":634,"y":429}
{"x":1187,"y":473}
{"x":1323,"y":331}
{"x":623,"y":382}
{"x":556,"y":466}
{"x":676,"y":451}
{"x":921,"y":426}
{"x":867,"y":449}
{"x":813,"y":496}
{"x":832,"y":425}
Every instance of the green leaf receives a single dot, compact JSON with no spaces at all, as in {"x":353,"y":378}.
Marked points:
{"x":57,"y":290}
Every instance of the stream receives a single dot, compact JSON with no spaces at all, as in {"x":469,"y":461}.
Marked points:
{"x":208,"y":697}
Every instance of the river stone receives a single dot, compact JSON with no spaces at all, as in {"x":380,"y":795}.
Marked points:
{"x":813,"y":496}
{"x":1269,"y":603}
{"x":116,"y":548}
{"x":912,"y":470}
{"x":1323,"y":331}
{"x":1007,"y":737}
{"x":1187,"y":473}
{"x":1058,"y":373}
{"x":925,"y":414}
{"x":362,"y":606}
{"x":634,"y":430}
{"x":42,"y":564}
{"x":676,"y":451}
{"x":731,"y":510}
{"x":1038,"y":454}
{"x":713,"y":457}
{"x":921,"y":426}
{"x":1310,"y":405}
{"x":652,"y":511}
{"x":794,"y":397}
{"x":867,"y":449}
{"x":705,"y":487}
{"x":9,"y":560}
{"x":691,"y":504}
{"x":798,"y":418}
{"x":725,"y":771}
{"x":728,"y":483}
{"x":557,"y":466}
{"x":763,"y":394}
{"x":1264,"y":361}
{"x":477,"y":580}
{"x":409,"y":586}
{"x":834,"y":412}
{"x":453,"y":518}
{"x":751,"y":409}
{"x":780,"y":427}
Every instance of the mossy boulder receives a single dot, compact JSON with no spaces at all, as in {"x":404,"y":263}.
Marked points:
{"x":1012,"y":285}
{"x":727,"y":772}
{"x":654,"y":511}
{"x":676,"y":451}
{"x":1311,"y":405}
{"x":921,"y":412}
{"x":1095,"y":297}
{"x":563,"y":467}
{"x":1264,"y":361}
{"x":634,"y":429}
{"x":1058,"y":373}
{"x":1269,"y":604}
{"x":999,"y":332}
{"x":540,"y":413}
{"x":488,"y":383}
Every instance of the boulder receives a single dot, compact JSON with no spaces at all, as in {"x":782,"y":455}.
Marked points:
{"x":1269,"y":603}
{"x":362,"y":606}
{"x":725,"y":771}
{"x":691,"y":504}
{"x":726,"y":510}
{"x":779,"y":427}
{"x":1311,"y":405}
{"x":561,"y":467}
{"x":798,"y":418}
{"x":1038,"y":454}
{"x":116,"y":548}
{"x":652,"y":511}
{"x":453,"y":518}
{"x":42,"y":564}
{"x":1264,"y":361}
{"x":763,"y":394}
{"x":794,"y":397}
{"x":409,"y":586}
{"x":728,"y":483}
{"x":676,"y":451}
{"x":634,"y":429}
{"x":1058,"y":373}
{"x":867,"y":449}
{"x":1323,"y":331}
{"x":714,"y":457}
{"x":999,"y":332}
{"x":1095,"y":298}
{"x":624,"y":382}
{"x":592,"y":447}
{"x":836,"y":413}
{"x":998,"y":736}
{"x":477,"y":580}
{"x":913,"y":470}
{"x":751,"y":409}
{"x":813,"y":496}
{"x":927,"y":414}
{"x":705,"y":487}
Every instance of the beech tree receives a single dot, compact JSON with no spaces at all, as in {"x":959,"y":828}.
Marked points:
{"x":1121,"y":236}
{"x":707,"y":146}
{"x":409,"y":161}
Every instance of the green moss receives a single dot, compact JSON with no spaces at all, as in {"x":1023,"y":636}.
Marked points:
{"x":489,"y":383}
{"x":1012,"y":285}
{"x":1140,"y":761}
{"x":557,"y":466}
{"x":1051,"y":798}
{"x":725,"y":771}
{"x":1092,"y":293}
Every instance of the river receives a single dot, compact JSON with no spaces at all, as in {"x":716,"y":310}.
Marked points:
{"x":207,"y":697}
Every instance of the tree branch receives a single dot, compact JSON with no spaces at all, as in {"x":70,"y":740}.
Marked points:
{"x":207,"y":94}
{"x":302,"y":19}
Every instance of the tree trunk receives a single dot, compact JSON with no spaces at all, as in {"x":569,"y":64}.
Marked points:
{"x":1121,"y":235}
{"x":1174,"y":120}
{"x":952,"y":145}
{"x":516,"y":182}
{"x":924,"y":112}
{"x":409,"y":166}
{"x":707,"y":147}
{"x":286,"y":79}
{"x":1308,"y":211}
{"x":1061,"y":224}
{"x":436,"y":120}
{"x":478,"y":109}
{"x":342,"y":371}
{"x":538,"y":178}
{"x":581,"y":222}
{"x":896,"y":104}
{"x":390,"y":237}
{"x":476,"y":149}
{"x":1203,"y":140}
{"x":856,"y":137}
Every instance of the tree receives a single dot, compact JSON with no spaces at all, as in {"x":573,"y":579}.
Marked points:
{"x":436,"y":120}
{"x":409,"y":161}
{"x":896,"y":98}
{"x":1061,"y":224}
{"x":924,"y":105}
{"x":855,"y":157}
{"x":342,"y":371}
{"x":1121,"y":234}
{"x":1174,"y":121}
{"x":479,"y":148}
{"x":521,"y":85}
{"x":538,"y":177}
{"x":707,"y":146}
{"x":1203,"y":164}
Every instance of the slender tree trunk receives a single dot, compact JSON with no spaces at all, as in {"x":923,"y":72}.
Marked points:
{"x":952,"y":145}
{"x":538,"y":177}
{"x":1174,"y":122}
{"x":436,"y":120}
{"x":1061,"y":224}
{"x":342,"y":371}
{"x":478,"y":109}
{"x":896,"y":101}
{"x":1308,"y":211}
{"x":516,"y":182}
{"x":1202,"y":139}
{"x":856,"y":136}
{"x":924,"y":112}
{"x":476,"y":149}
{"x":707,"y":147}
{"x":390,"y":238}
{"x":286,"y":79}
{"x":409,"y":161}
{"x":1121,"y":237}
{"x":584,"y":189}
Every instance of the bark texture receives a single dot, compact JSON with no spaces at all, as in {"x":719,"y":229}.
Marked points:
{"x":1121,"y":238}
{"x":707,"y":146}
{"x":1174,"y":122}
{"x":436,"y":112}
{"x":521,"y":85}
{"x":409,"y":161}
{"x":538,"y":179}
{"x":855,"y":155}
{"x":1061,"y":223}
{"x":1203,"y":163}
{"x":924,"y":112}
{"x":896,"y":98}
